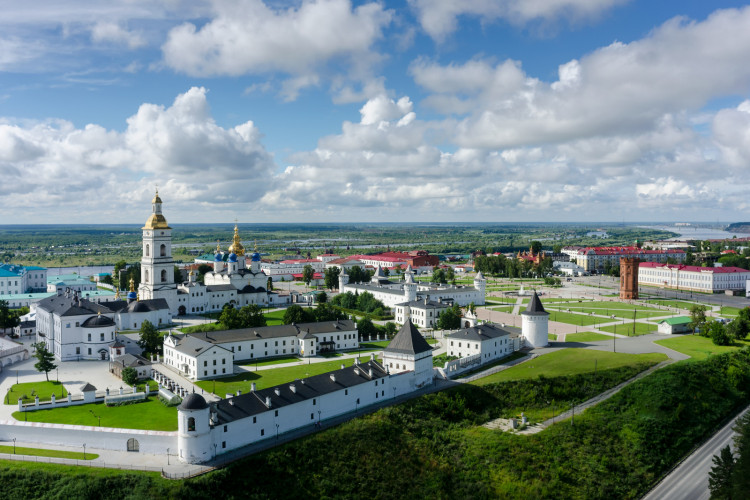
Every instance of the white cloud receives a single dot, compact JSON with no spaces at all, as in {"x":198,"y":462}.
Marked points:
{"x":250,"y":37}
{"x":179,"y":147}
{"x":109,"y":32}
{"x":620,"y":88}
{"x":731,"y":130}
{"x":439,"y":18}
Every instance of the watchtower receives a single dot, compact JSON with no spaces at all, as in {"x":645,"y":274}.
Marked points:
{"x":629,"y":278}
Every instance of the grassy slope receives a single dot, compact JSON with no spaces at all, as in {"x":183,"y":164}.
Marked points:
{"x":43,"y":389}
{"x":570,"y":362}
{"x":151,"y":415}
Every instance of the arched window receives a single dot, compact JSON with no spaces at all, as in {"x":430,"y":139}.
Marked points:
{"x":163,"y":275}
{"x":191,"y":424}
{"x":163,"y":250}
{"x":147,"y":276}
{"x":147,"y":249}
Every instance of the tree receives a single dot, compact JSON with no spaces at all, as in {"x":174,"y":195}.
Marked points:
{"x":129,"y":375}
{"x":324,"y":312}
{"x":296,"y":314}
{"x":386,"y":271}
{"x":107,"y":280}
{"x":346,"y":300}
{"x":450,"y":275}
{"x":438,"y":276}
{"x":202,"y":270}
{"x":308,"y":273}
{"x":741,"y":474}
{"x":536,"y":247}
{"x":366,"y":328}
{"x":358,"y":275}
{"x":251,"y":316}
{"x":331,"y":277}
{"x":738,"y":329}
{"x":390,"y":329}
{"x":321,"y":297}
{"x":557,"y":248}
{"x":718,"y":333}
{"x":7,"y":317}
{"x":720,"y":476}
{"x":151,"y":342}
{"x":230,"y":317}
{"x":697,"y":317}
{"x":121,"y":279}
{"x":450,"y":319}
{"x":45,"y":359}
{"x":178,"y":278}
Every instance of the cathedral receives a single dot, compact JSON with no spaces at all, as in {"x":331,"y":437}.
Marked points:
{"x":230,"y":282}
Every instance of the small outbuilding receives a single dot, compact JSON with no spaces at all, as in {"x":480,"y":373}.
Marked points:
{"x":678,"y":324}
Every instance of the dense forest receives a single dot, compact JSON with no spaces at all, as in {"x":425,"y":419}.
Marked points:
{"x":435,"y":447}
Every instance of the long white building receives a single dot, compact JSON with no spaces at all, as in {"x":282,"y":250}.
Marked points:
{"x":700,"y":279}
{"x":201,"y":356}
{"x":597,"y":258}
{"x":489,"y":341}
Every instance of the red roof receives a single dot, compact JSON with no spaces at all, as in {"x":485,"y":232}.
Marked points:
{"x":695,"y":269}
{"x":627,"y":251}
{"x":316,"y":276}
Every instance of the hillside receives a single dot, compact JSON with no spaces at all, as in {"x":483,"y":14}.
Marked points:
{"x":739,"y":227}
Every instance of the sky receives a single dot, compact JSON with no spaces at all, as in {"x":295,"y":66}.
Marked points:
{"x":374,"y":111}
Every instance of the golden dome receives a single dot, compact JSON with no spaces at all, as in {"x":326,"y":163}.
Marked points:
{"x":157,"y":220}
{"x":236,"y":246}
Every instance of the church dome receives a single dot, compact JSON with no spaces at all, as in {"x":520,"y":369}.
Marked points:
{"x":255,"y":257}
{"x":98,"y":321}
{"x":232,"y":257}
{"x":236,"y":246}
{"x":218,"y":257}
{"x":132,"y":295}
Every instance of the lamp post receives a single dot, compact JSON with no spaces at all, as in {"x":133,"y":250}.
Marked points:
{"x":318,"y":417}
{"x":14,"y":446}
{"x":96,"y":416}
{"x":277,"y":432}
{"x":215,"y":450}
{"x":16,"y":376}
{"x":167,"y":456}
{"x":84,"y":451}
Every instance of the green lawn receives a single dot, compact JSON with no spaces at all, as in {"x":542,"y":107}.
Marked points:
{"x":268,"y":362}
{"x":672,"y":303}
{"x":618,"y":312}
{"x":729,"y":312}
{"x":151,"y":415}
{"x":571,"y":362}
{"x":28,"y":390}
{"x":627,"y":328}
{"x":275,"y":317}
{"x":586,"y":337}
{"x":501,"y":308}
{"x":698,"y":347}
{"x":552,"y":337}
{"x":271,"y":377}
{"x":574,"y":319}
{"x":41,"y":452}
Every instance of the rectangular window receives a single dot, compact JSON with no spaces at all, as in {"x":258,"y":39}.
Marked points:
{"x":214,"y":372}
{"x":312,"y":416}
{"x":89,"y":337}
{"x":101,"y":337}
{"x":78,"y":350}
{"x":276,"y":413}
{"x":89,"y":351}
{"x":314,"y":402}
{"x":223,"y":444}
{"x":225,"y":428}
{"x":346,"y":392}
{"x":262,"y":432}
{"x":255,"y":420}
{"x":223,"y":370}
{"x":205,"y":373}
{"x":214,"y":362}
{"x":205,"y":362}
{"x":223,"y":361}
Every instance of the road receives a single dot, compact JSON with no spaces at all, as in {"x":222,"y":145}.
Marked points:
{"x":689,"y":481}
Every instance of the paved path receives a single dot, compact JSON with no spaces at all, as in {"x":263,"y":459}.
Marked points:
{"x":689,"y":480}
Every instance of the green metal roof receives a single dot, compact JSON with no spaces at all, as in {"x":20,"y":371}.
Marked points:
{"x":677,"y":320}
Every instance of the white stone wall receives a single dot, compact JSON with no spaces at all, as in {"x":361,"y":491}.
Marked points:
{"x":535,"y":330}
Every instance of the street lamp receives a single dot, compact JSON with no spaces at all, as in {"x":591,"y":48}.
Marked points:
{"x":318,"y":417}
{"x":16,"y":376}
{"x":167,"y":456}
{"x":96,"y":416}
{"x":14,"y":446}
{"x":277,"y":432}
{"x":215,"y":450}
{"x":84,"y":451}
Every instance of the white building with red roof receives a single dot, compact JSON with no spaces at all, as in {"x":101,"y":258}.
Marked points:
{"x":695,"y":278}
{"x":596,"y":258}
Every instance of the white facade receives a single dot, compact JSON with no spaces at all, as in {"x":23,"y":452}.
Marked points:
{"x":157,"y":265}
{"x":534,"y":323}
{"x":16,"y":280}
{"x":488,"y":341}
{"x":702,"y":279}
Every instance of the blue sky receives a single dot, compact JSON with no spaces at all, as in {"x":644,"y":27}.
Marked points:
{"x":338,"y":110}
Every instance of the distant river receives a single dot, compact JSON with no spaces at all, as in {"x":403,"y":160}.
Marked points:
{"x":80,"y":270}
{"x":697,"y":233}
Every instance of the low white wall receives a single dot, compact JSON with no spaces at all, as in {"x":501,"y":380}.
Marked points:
{"x":106,"y":438}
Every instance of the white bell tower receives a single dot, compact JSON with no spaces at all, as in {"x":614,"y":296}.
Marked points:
{"x":157,"y":266}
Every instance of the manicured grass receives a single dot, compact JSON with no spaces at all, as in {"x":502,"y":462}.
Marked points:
{"x":501,"y":308}
{"x":271,"y":377}
{"x":729,"y":312}
{"x":672,"y":303}
{"x":380,"y":344}
{"x":574,"y":319}
{"x":627,"y":328}
{"x":28,"y":390}
{"x":41,"y":452}
{"x":618,"y":312}
{"x":152,"y":384}
{"x":150,"y":415}
{"x":570,"y":362}
{"x":507,"y":359}
{"x":698,"y":347}
{"x":268,"y":362}
{"x":275,"y":317}
{"x":586,"y":337}
{"x":552,"y":337}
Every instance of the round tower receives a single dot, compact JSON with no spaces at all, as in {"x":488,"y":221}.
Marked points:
{"x":480,"y":283}
{"x":233,"y":265}
{"x":193,"y":430}
{"x":535,"y":324}
{"x":343,"y":279}
{"x":218,"y":259}
{"x":410,"y":288}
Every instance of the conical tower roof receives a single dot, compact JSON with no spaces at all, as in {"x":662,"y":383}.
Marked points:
{"x":535,"y":307}
{"x":408,"y":340}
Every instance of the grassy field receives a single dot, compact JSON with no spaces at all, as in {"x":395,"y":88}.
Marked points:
{"x":570,"y":362}
{"x":552,"y":337}
{"x":672,"y":303}
{"x":268,"y":362}
{"x":275,"y":317}
{"x":28,"y":390}
{"x":729,"y":312}
{"x":575,"y":319}
{"x":41,"y":452}
{"x":151,"y":415}
{"x":618,"y":313}
{"x":271,"y":377}
{"x":627,"y":328}
{"x":586,"y":337}
{"x":698,"y":347}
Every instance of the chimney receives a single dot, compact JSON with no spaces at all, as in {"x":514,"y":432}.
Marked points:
{"x":228,"y":396}
{"x":372,"y":356}
{"x":333,"y":377}
{"x":343,"y":366}
{"x":231,"y":401}
{"x":293,"y":388}
{"x":277,"y":391}
{"x":369,"y":373}
{"x":252,"y":387}
{"x":239,"y":393}
{"x":268,"y":401}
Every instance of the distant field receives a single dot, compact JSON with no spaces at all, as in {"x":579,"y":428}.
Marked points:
{"x":570,"y":362}
{"x":698,"y":347}
{"x":586,"y":337}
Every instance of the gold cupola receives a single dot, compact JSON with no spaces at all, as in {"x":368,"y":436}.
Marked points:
{"x":236,"y":246}
{"x":157,"y":220}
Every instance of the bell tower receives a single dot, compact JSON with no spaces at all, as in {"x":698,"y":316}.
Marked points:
{"x":157,"y":265}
